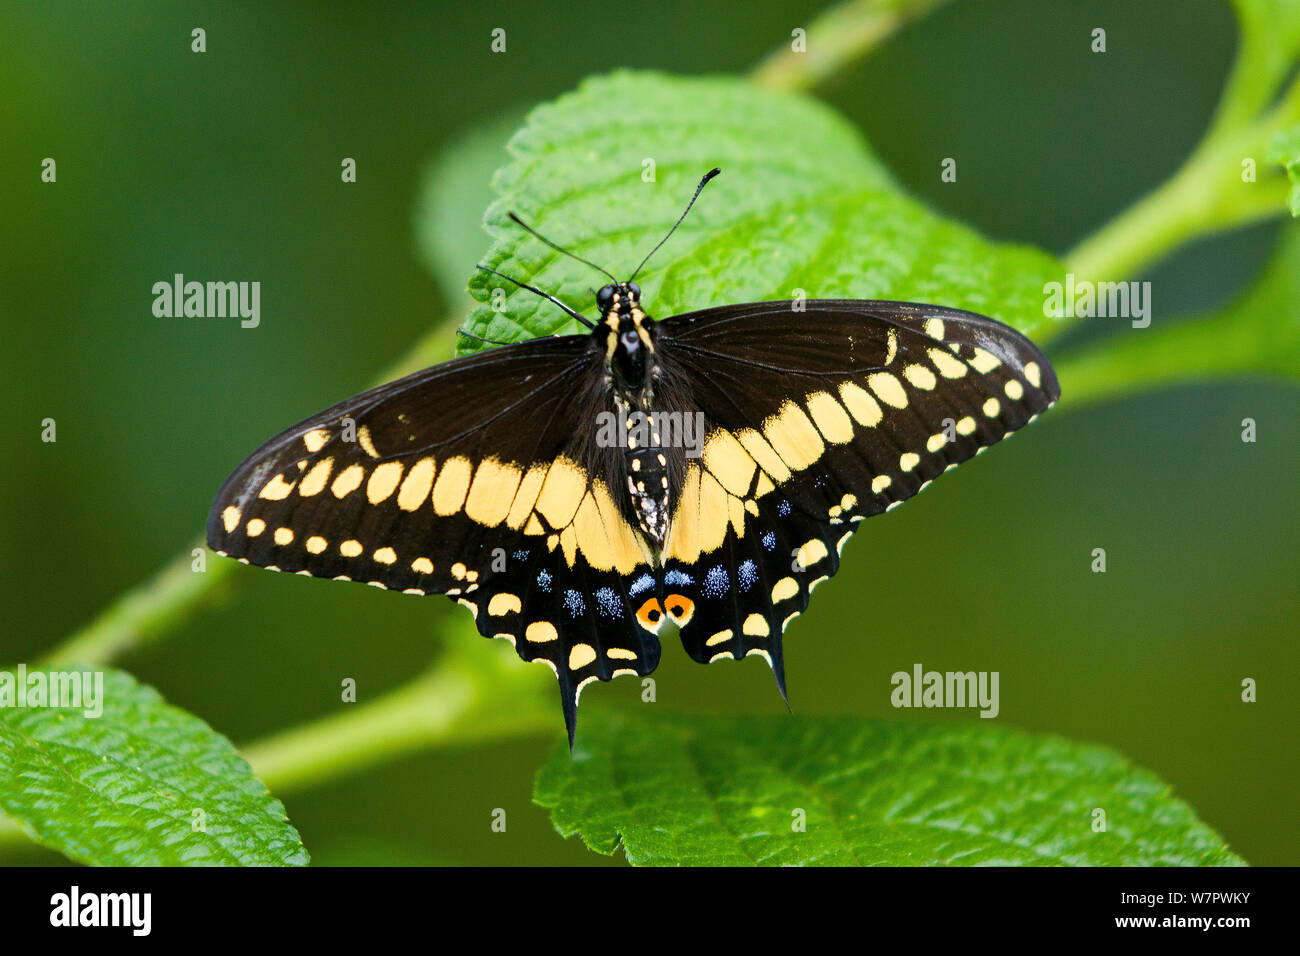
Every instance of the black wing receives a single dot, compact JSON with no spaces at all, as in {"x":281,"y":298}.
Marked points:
{"x":817,"y":418}
{"x":475,"y":479}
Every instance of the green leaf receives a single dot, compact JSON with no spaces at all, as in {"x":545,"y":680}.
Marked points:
{"x":1285,"y":150}
{"x":718,"y":791}
{"x":122,"y":788}
{"x":1256,"y":336}
{"x":802,"y":204}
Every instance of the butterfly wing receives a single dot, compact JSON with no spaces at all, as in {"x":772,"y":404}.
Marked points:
{"x":816,"y":419}
{"x":481,"y":478}
{"x":467,"y":479}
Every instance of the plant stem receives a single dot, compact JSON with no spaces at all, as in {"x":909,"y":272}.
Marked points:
{"x":173,"y":594}
{"x":1201,"y":351}
{"x":1205,"y":196}
{"x":145,"y":612}
{"x":442,"y":704}
{"x":836,"y":38}
{"x":1260,"y":65}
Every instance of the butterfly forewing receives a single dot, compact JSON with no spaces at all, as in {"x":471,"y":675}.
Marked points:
{"x":392,"y":469}
{"x":818,"y":419}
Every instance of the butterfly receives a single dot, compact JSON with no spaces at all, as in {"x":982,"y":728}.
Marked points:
{"x":578,"y":493}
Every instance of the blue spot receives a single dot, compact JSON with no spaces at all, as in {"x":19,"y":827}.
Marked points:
{"x":716,"y":582}
{"x":678,"y":578}
{"x":783,"y":509}
{"x":520,"y":555}
{"x":544,"y":580}
{"x":769,"y":541}
{"x":748,"y":574}
{"x":609,"y":603}
{"x":575,"y":603}
{"x":643,"y":583}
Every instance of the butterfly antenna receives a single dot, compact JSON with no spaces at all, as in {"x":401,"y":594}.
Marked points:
{"x":698,"y":189}
{"x":479,"y":338}
{"x":529,"y":229}
{"x":545,"y":295}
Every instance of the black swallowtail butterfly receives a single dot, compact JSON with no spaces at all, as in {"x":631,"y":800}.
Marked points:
{"x":576,"y":492}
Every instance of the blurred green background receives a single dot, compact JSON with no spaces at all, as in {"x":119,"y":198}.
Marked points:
{"x":226,"y":166}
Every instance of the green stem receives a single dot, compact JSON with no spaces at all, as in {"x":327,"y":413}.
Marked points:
{"x":1233,"y":343}
{"x":1205,"y":196}
{"x":1192,"y":352}
{"x":175,"y":593}
{"x":145,"y":612}
{"x":836,"y":38}
{"x":1261,"y":63}
{"x":443,"y":704}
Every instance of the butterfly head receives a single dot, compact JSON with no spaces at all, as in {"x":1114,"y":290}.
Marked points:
{"x":623,"y":326}
{"x":621,"y":298}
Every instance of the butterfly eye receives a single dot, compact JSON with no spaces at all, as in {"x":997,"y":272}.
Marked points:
{"x":605,"y":297}
{"x":634,"y":289}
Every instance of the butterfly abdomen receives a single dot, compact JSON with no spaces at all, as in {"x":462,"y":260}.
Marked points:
{"x":647,"y":485}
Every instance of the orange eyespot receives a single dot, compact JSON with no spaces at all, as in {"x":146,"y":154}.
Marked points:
{"x":680,"y":608}
{"x":651,"y":616}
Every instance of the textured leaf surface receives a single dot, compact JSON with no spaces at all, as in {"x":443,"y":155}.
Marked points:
{"x":122,"y":788}
{"x":716,"y":791}
{"x":801,"y":205}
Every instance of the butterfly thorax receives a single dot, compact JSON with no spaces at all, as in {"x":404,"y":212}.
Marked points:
{"x":629,"y":346}
{"x":630,"y":373}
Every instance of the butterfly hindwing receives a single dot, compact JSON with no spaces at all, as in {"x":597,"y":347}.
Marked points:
{"x":743,"y":594}
{"x":559,"y":609}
